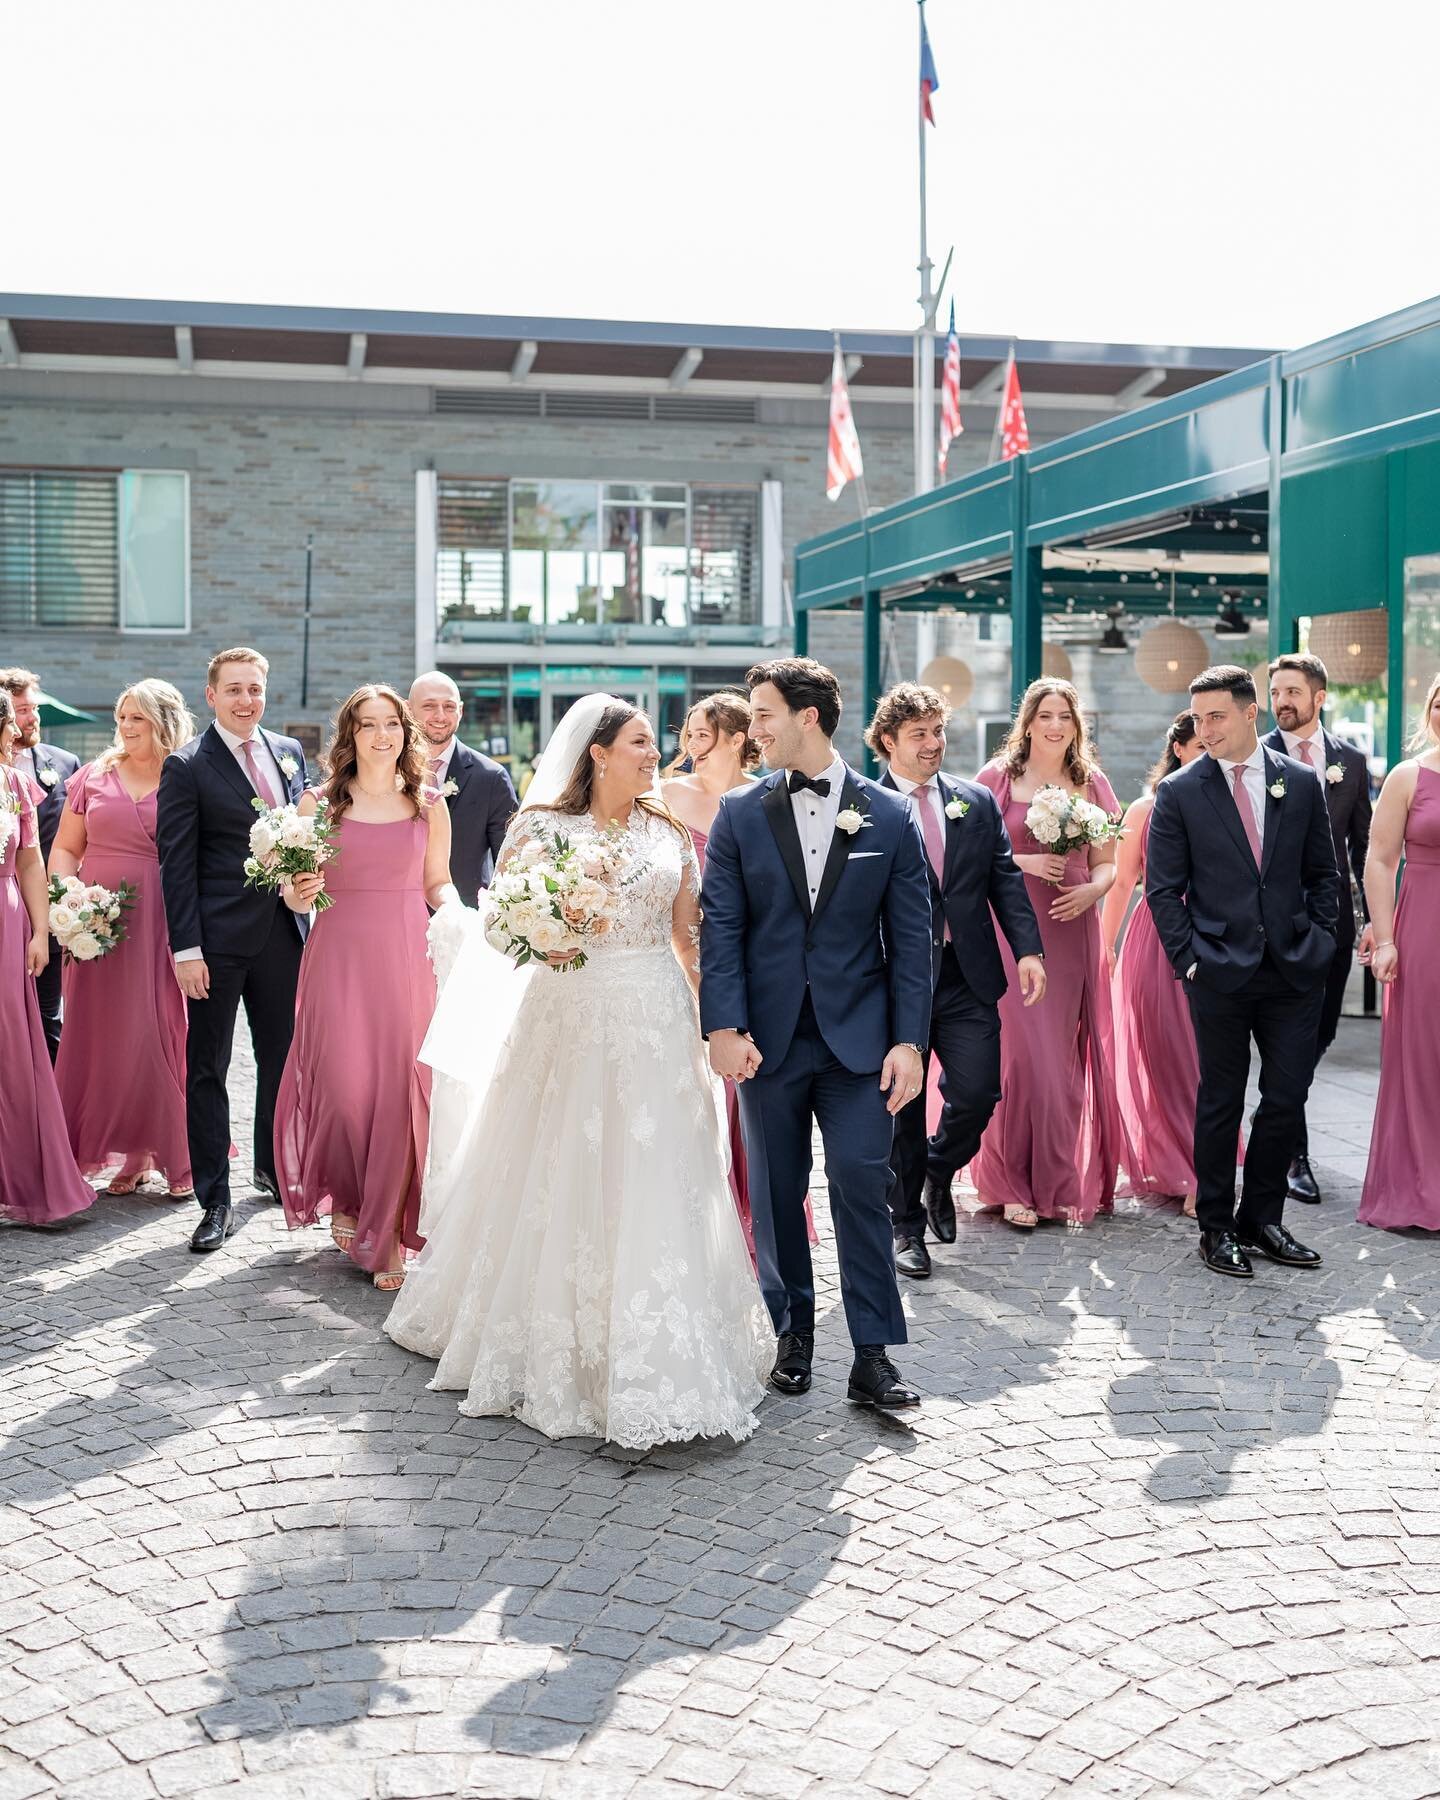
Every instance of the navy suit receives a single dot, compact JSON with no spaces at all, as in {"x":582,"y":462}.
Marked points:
{"x":979,"y":884}
{"x":1262,"y":940}
{"x":480,"y":808}
{"x":825,"y":995}
{"x":51,"y":761}
{"x":1348,"y":803}
{"x":250,"y":940}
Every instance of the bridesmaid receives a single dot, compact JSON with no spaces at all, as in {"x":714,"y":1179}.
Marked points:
{"x":1054,"y":1143}
{"x":1402,"y":1177}
{"x":722,"y":755}
{"x":352,"y":1119}
{"x":1157,"y":1069}
{"x":39,"y":1182}
{"x":122,"y":1056}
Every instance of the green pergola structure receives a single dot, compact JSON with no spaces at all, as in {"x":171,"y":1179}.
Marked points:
{"x":1327,"y":459}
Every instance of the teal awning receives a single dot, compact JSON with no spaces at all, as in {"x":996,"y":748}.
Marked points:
{"x":56,"y":712}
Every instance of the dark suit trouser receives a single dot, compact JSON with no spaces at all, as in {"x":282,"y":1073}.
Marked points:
{"x":1282,"y":1020}
{"x":1333,"y":1002}
{"x":47,"y":992}
{"x":965,"y":1037}
{"x":776,"y":1110}
{"x":265,"y":985}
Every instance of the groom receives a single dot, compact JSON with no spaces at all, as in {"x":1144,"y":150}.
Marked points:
{"x":1240,"y":876}
{"x":815,"y":996}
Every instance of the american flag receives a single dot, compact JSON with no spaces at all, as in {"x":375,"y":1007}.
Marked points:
{"x":950,"y":425}
{"x":844,"y":463}
{"x":929,"y":80}
{"x":1014,"y":432}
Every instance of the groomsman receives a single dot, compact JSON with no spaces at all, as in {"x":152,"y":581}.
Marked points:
{"x":1240,"y":876}
{"x":232,"y":944}
{"x":973,"y":882}
{"x":479,"y":791}
{"x":50,"y":768}
{"x":1298,"y":692}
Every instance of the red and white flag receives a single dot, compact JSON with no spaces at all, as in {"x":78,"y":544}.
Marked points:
{"x":1014,"y":432}
{"x":845,"y":462}
{"x":950,"y":425}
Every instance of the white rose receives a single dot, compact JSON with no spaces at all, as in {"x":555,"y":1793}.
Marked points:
{"x":548,"y":936}
{"x":262,"y":838}
{"x":84,"y":947}
{"x":297,"y":833}
{"x":530,"y":853}
{"x":498,"y":938}
{"x":536,"y":882}
{"x":508,"y":887}
{"x":522,"y":919}
{"x":588,"y":895}
{"x":1044,"y":829}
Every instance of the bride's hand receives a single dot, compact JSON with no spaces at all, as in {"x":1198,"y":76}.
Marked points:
{"x":557,"y":959}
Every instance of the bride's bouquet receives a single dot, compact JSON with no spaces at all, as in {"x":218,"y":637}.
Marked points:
{"x":551,"y":901}
{"x":87,"y":920}
{"x":284,"y":843}
{"x":1063,"y":822}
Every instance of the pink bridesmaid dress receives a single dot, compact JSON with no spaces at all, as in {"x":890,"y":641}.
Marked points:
{"x":1056,"y":1140}
{"x":1402,"y":1177}
{"x":739,"y":1183}
{"x":353,"y":1116}
{"x":1158,"y":1068}
{"x":121,"y":1068}
{"x":39,"y":1182}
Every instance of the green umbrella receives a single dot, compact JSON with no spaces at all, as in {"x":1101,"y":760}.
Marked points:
{"x":56,"y":712}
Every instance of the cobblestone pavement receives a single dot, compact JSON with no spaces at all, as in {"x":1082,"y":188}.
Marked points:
{"x":1150,"y":1531}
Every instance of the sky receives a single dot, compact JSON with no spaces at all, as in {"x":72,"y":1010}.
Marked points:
{"x":1256,"y":174}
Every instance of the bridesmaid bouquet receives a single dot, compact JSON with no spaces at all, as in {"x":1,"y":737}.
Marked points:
{"x":549,"y":902}
{"x":283,"y":843}
{"x":1065,"y":822}
{"x":88,"y":921}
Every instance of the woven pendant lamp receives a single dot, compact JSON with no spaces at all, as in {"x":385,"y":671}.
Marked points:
{"x":1354,"y":646}
{"x":955,"y":679}
{"x":1169,"y":657}
{"x":1055,"y":662}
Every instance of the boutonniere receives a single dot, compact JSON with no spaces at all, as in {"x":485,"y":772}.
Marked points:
{"x":450,"y":788}
{"x":289,"y":768}
{"x":48,"y":776}
{"x":1333,"y":773}
{"x":851,"y":820}
{"x":956,"y":808}
{"x":1277,"y":790}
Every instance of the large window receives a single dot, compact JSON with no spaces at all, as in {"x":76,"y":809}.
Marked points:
{"x":95,"y":550}
{"x":597,"y":553}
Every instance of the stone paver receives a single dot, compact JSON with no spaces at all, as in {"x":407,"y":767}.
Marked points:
{"x":1150,"y":1532}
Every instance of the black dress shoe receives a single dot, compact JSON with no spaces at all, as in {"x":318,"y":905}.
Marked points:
{"x":940,"y":1210}
{"x":1276,"y":1242}
{"x":216,"y":1224}
{"x":794,"y":1352}
{"x":1220,"y":1252}
{"x":1300,"y":1183}
{"x":875,"y":1381}
{"x":266,"y":1188}
{"x":912,"y":1258}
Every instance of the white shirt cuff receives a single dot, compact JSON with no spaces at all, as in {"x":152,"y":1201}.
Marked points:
{"x":195,"y":955}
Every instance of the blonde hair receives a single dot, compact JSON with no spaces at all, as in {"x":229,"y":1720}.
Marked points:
{"x":240,"y":654}
{"x":170,"y":720}
{"x":1425,"y":738}
{"x":1080,"y":761}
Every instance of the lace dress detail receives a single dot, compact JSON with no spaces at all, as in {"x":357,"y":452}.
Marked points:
{"x":589,"y":1276}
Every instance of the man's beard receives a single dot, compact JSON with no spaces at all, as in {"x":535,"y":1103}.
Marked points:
{"x":27,"y":739}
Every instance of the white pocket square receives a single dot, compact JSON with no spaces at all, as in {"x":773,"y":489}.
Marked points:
{"x":860,"y":855}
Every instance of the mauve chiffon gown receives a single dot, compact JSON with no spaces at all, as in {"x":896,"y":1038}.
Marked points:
{"x":1158,"y":1067}
{"x":121,"y":1067}
{"x":39,"y":1182}
{"x":1056,"y":1140}
{"x":739,"y":1181}
{"x":353,"y":1116}
{"x":1402,"y":1176}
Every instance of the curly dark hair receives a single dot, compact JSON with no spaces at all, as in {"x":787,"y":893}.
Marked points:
{"x":341,"y":760}
{"x":907,"y":700}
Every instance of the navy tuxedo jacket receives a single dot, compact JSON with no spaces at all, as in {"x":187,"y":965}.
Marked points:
{"x":480,"y":808}
{"x":1348,"y":802}
{"x":49,"y":760}
{"x":980,"y":884}
{"x":1212,"y":905}
{"x":202,"y":830}
{"x":864,"y":952}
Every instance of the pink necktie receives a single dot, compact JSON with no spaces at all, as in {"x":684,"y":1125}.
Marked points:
{"x":1246,"y":810}
{"x":930,"y":831}
{"x":259,"y":780}
{"x":1305,"y":750}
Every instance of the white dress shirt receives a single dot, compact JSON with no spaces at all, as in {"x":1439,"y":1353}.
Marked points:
{"x":265,"y":761}
{"x":1254,"y":767}
{"x":815,"y":817}
{"x":908,"y":787}
{"x":444,"y":758}
{"x":1317,"y":742}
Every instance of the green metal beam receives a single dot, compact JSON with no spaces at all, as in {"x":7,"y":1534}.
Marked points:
{"x":870,"y":665}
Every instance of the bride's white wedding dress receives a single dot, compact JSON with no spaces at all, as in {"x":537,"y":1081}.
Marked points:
{"x":585,"y":1269}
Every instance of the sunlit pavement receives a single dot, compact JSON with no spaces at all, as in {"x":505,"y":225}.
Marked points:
{"x":1149,"y":1531}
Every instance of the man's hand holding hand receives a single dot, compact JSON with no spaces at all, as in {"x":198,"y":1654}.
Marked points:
{"x":733,"y":1055}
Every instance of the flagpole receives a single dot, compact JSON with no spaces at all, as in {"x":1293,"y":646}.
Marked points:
{"x":924,"y":338}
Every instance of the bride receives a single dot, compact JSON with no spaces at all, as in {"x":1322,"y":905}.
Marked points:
{"x":585,"y":1270}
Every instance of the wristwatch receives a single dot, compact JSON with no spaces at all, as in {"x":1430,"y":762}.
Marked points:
{"x":919,"y":1049}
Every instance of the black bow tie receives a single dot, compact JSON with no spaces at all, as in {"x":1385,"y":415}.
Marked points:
{"x":799,"y":783}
